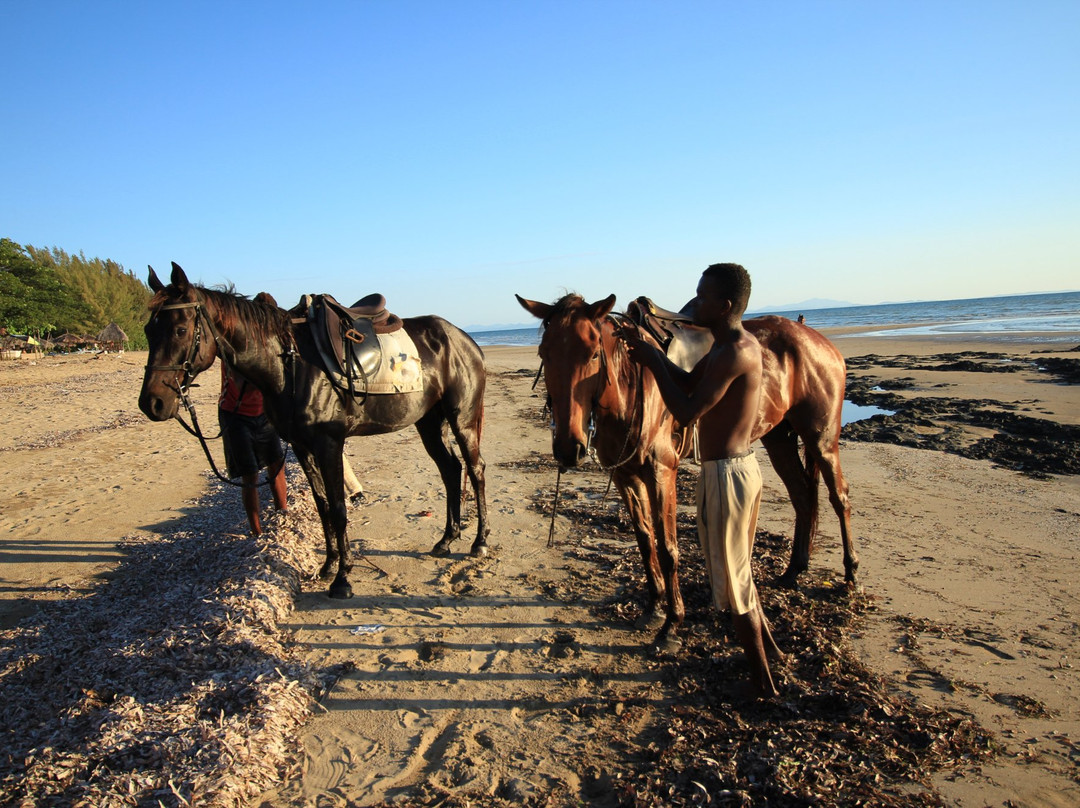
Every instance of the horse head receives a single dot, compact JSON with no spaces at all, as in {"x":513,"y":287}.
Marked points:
{"x":572,"y":354}
{"x":181,"y":346}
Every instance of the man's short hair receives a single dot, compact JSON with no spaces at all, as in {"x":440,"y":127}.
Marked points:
{"x":734,"y":280}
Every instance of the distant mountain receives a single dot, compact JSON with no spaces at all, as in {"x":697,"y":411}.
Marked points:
{"x":807,"y":305}
{"x":476,"y":329}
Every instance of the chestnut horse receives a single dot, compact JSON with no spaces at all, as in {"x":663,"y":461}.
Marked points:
{"x":590,"y":378}
{"x":189,"y":326}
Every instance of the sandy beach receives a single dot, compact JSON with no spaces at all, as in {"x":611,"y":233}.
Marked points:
{"x":444,"y":679}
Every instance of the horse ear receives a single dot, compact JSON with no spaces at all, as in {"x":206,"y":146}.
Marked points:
{"x":179,"y":279}
{"x":154,"y":282}
{"x":534,"y":307}
{"x":601,"y":308}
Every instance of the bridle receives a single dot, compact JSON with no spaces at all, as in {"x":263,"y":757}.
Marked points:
{"x":629,"y":449}
{"x":187,"y":367}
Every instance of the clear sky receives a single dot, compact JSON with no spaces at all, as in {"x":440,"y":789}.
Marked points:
{"x":450,"y":154}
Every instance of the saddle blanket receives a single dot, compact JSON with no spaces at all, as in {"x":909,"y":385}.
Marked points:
{"x":400,"y":370}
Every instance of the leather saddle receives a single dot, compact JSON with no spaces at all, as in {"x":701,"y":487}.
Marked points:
{"x":347,"y":336}
{"x":683,"y":342}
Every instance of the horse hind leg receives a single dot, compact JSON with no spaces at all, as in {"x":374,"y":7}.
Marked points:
{"x":828,"y":461}
{"x":782,"y":446}
{"x":430,"y":428}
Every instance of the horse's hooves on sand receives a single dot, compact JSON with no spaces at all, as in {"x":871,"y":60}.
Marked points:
{"x":787,"y":581}
{"x":648,"y":619}
{"x":340,"y":590}
{"x":667,"y":645}
{"x":440,"y":550}
{"x":479,"y":551}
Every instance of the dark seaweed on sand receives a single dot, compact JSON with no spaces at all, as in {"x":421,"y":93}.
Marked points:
{"x":836,"y":736}
{"x":1034,"y":446}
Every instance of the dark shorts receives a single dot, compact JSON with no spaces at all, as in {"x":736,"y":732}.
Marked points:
{"x":250,"y":441}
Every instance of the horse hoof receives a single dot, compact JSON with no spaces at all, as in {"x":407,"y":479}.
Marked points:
{"x":648,"y":619}
{"x":666,"y":645}
{"x":440,"y":550}
{"x":340,"y":590}
{"x":789,"y":580}
{"x":479,"y":551}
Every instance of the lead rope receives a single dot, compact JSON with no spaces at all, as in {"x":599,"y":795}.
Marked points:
{"x":554,"y":510}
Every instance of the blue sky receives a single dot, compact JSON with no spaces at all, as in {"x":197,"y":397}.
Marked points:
{"x":450,"y":154}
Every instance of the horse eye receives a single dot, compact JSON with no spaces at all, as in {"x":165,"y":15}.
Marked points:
{"x":180,"y":331}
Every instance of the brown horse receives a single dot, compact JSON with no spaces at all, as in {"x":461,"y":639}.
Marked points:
{"x":589,"y":378}
{"x":189,"y":326}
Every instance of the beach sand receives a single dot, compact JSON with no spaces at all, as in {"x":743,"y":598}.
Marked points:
{"x":448,"y":668}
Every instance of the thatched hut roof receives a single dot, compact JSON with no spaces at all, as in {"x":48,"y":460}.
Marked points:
{"x":74,"y":340}
{"x":112,"y":333}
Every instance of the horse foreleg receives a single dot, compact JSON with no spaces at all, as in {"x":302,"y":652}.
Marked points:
{"x":468,"y":438}
{"x":664,"y":511}
{"x":318,"y":493}
{"x":325,"y":476}
{"x":783,"y":448}
{"x":430,"y":429}
{"x":332,"y":465}
{"x":636,"y":497}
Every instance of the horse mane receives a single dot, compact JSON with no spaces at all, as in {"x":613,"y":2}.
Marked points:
{"x":261,"y":322}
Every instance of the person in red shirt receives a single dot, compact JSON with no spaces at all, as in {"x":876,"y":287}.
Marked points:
{"x":250,"y":440}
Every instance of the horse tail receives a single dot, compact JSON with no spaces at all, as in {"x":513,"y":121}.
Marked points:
{"x":813,"y":475}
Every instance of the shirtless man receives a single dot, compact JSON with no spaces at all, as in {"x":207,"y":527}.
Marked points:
{"x":721,"y":394}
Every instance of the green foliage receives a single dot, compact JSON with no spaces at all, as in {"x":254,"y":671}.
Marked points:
{"x":47,"y":291}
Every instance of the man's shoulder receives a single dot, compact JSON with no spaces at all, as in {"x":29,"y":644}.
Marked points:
{"x":745,"y":344}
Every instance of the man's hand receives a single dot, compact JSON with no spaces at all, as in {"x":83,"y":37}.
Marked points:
{"x":637,"y":349}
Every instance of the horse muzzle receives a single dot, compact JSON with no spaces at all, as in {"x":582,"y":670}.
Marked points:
{"x":569,"y":454}
{"x":157,"y":408}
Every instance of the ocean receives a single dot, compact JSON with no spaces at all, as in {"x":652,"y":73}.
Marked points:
{"x":1053,"y":317}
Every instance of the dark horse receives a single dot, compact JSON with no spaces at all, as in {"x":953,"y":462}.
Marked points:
{"x":590,"y":378}
{"x":189,"y":326}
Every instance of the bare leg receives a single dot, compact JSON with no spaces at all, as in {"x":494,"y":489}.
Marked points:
{"x":277,"y":486}
{"x":353,"y":488}
{"x":250,"y":497}
{"x":748,"y":630}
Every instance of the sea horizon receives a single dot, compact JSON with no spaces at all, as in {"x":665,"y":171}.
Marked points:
{"x":1052,"y":316}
